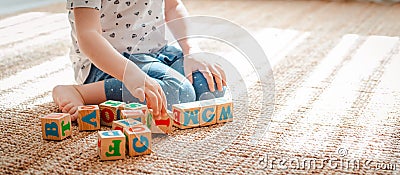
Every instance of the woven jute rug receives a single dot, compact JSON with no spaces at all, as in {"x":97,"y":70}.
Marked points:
{"x":331,"y":105}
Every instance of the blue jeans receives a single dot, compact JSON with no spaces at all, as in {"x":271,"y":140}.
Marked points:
{"x":166,"y":67}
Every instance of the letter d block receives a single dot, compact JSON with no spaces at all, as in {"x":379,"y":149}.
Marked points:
{"x":139,"y":140}
{"x":125,"y":123}
{"x":186,"y":115}
{"x":56,"y":126}
{"x":88,"y":117}
{"x":224,"y":110}
{"x":110,"y":111}
{"x":111,"y":145}
{"x":138,"y":115}
{"x":208,"y":112}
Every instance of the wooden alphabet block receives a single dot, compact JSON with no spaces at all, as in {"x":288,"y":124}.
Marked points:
{"x":186,"y":115}
{"x":135,"y":106}
{"x":110,"y":111}
{"x":139,"y":140}
{"x":124,"y":123}
{"x":161,"y":126}
{"x":224,"y":110}
{"x":56,"y":126}
{"x":138,"y":115}
{"x":111,"y":145}
{"x":88,"y":117}
{"x":207,"y":112}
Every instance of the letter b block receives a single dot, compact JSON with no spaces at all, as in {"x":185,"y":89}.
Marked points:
{"x":56,"y":126}
{"x":186,"y":115}
{"x":88,"y":117}
{"x":111,"y":145}
{"x":110,"y":111}
{"x":139,"y":140}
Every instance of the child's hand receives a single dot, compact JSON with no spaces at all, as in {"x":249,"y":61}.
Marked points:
{"x":211,"y":71}
{"x":146,"y":88}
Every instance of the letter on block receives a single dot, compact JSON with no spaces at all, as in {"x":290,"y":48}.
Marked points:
{"x":138,"y":115}
{"x":88,"y":117}
{"x":56,"y":126}
{"x":224,"y":110}
{"x":125,"y":123}
{"x":135,"y":106}
{"x":110,"y":111}
{"x":207,"y":112}
{"x":139,"y":140}
{"x":161,"y":126}
{"x":111,"y":145}
{"x":186,"y":115}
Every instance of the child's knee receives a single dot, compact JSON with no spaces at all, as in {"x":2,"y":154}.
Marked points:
{"x":186,"y":92}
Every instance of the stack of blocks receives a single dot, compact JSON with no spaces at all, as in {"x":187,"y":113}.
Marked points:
{"x":202,"y":113}
{"x":56,"y":126}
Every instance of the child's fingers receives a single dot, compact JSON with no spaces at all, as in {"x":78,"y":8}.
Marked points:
{"x":222,"y":72}
{"x":209,"y":77}
{"x":217,"y":77}
{"x":139,"y":93}
{"x":153,"y":103}
{"x":67,"y":108}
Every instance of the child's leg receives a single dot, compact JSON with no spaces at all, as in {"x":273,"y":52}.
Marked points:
{"x":69,"y":97}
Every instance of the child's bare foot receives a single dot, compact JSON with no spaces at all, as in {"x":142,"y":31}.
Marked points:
{"x":68,"y":98}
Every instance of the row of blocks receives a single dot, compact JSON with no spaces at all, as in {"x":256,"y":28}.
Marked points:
{"x":134,"y":122}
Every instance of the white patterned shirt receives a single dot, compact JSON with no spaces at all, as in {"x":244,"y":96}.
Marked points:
{"x":129,"y":25}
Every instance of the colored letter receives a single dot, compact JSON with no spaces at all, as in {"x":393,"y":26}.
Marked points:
{"x":177,"y":115}
{"x":88,"y":118}
{"x":143,"y":141}
{"x":111,"y":133}
{"x":226,"y":113}
{"x":107,"y":112}
{"x":191,"y":115}
{"x":149,"y":119}
{"x":65,"y":127}
{"x":114,"y":150}
{"x":113,"y":103}
{"x":209,"y":117}
{"x":51,"y":129}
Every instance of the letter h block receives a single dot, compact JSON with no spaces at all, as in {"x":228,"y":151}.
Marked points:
{"x":56,"y":126}
{"x":224,"y":110}
{"x":110,"y":111}
{"x":186,"y":115}
{"x":111,"y":145}
{"x":125,"y":123}
{"x":88,"y":117}
{"x":139,"y":140}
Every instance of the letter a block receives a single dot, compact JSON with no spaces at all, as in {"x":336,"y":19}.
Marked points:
{"x":110,"y":111}
{"x":207,"y":112}
{"x":56,"y":126}
{"x":138,"y":115}
{"x":111,"y":145}
{"x":88,"y":117}
{"x":139,"y":140}
{"x":161,"y":126}
{"x":224,"y":110}
{"x":186,"y":115}
{"x":125,"y":123}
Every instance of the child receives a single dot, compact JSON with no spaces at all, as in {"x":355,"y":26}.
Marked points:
{"x":114,"y":54}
